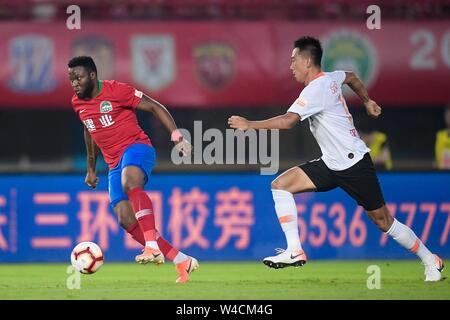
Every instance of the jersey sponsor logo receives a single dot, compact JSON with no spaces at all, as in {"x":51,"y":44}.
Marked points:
{"x":31,"y":61}
{"x":105,"y":107}
{"x":347,"y":49}
{"x":353,"y":132}
{"x":215,"y":64}
{"x":106,"y":120}
{"x":153,"y":60}
{"x":89,"y":123}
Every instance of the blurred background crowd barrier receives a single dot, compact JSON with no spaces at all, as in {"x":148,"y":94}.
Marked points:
{"x":209,"y":59}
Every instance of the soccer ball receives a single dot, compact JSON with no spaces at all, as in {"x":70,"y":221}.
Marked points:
{"x":87,"y":257}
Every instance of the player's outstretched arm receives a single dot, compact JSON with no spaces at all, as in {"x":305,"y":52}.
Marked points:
{"x":352,"y":80}
{"x":284,"y":121}
{"x":92,"y":152}
{"x":151,"y":105}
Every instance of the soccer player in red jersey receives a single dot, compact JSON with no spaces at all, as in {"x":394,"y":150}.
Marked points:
{"x":107,"y":109}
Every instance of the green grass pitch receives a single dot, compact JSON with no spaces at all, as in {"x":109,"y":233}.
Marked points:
{"x":224,"y":281}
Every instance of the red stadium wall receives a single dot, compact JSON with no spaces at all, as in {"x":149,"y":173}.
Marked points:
{"x":219,"y":64}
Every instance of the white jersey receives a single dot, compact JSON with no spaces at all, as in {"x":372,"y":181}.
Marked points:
{"x":330,"y":121}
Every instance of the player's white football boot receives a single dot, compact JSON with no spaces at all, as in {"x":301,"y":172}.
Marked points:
{"x":433,"y":271}
{"x":286,"y":258}
{"x":150,"y":255}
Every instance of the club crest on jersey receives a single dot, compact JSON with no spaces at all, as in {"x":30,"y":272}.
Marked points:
{"x":105,"y":107}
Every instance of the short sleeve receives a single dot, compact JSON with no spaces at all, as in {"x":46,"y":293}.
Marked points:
{"x":310,"y":102}
{"x":127,"y":95}
{"x":338,"y":76}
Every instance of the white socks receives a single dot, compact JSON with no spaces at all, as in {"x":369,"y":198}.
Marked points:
{"x":408,"y":239}
{"x":287,"y":216}
{"x":180,"y":257}
{"x":152,"y":244}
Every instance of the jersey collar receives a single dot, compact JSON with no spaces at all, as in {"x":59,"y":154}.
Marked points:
{"x":99,"y":84}
{"x":320,"y":74}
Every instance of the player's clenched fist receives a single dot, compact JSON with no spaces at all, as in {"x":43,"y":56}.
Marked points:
{"x":373,"y":109}
{"x":237,"y":122}
{"x":91,"y":180}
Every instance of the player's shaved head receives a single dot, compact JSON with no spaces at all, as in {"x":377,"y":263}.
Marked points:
{"x":83,"y":61}
{"x":311,"y":47}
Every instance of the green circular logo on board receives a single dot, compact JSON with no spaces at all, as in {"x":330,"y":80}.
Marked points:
{"x":350,"y":51}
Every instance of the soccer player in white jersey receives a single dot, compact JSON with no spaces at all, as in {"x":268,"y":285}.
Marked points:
{"x":345,"y":160}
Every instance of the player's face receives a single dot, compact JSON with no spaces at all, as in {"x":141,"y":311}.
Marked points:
{"x":299,"y":66}
{"x":82,"y":82}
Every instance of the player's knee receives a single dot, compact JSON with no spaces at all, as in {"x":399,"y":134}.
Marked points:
{"x":277,"y":185}
{"x":131,"y":179}
{"x":126,"y":187}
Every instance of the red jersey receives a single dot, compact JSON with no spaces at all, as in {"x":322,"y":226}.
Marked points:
{"x":110,"y":118}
